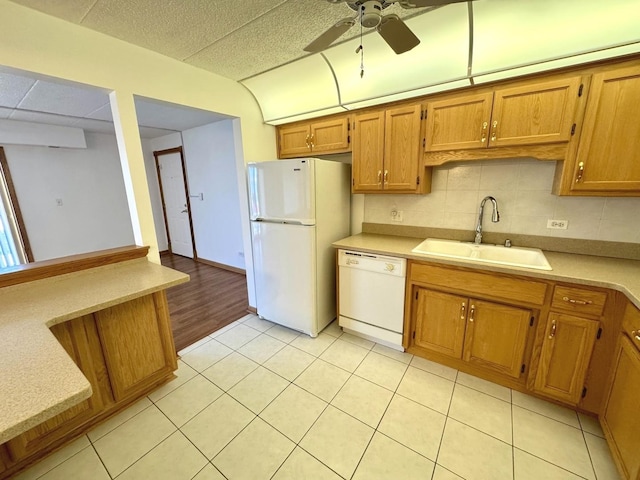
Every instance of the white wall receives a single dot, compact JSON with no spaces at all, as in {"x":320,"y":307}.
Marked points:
{"x":166,"y":142}
{"x":94,"y":213}
{"x":523,"y":191}
{"x":210,"y":155}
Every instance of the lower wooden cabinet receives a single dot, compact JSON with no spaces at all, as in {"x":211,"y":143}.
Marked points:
{"x":565,"y":355}
{"x":77,"y":337}
{"x":123,"y":351}
{"x":620,"y":417}
{"x":135,"y":338}
{"x":487,"y":334}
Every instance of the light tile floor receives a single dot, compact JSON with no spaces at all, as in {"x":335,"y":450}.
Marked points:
{"x":258,"y":401}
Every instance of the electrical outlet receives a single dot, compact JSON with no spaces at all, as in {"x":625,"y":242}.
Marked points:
{"x":557,"y":224}
{"x":396,"y":215}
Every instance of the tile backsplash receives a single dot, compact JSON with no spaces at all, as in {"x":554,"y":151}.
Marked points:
{"x":523,"y":191}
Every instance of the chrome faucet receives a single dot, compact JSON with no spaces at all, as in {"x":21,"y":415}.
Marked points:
{"x":495,"y":217}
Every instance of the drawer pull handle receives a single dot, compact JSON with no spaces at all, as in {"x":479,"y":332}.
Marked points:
{"x":379,"y":177}
{"x":472,"y":313}
{"x":553,"y":329}
{"x":463,"y":311}
{"x":577,"y":302}
{"x":636,"y":335}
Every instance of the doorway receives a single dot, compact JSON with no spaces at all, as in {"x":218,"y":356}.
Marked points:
{"x":176,"y":207}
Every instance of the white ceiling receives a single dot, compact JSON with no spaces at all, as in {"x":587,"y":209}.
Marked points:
{"x":27,"y":99}
{"x":234,"y":38}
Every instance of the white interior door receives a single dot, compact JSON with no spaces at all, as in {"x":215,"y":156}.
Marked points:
{"x":175,"y":204}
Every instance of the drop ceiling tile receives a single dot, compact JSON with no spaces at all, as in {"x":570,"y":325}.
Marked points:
{"x":5,"y":112}
{"x":177,"y":29}
{"x":150,"y":132}
{"x":13,"y":88}
{"x":102,"y":113}
{"x":70,"y":10}
{"x":173,"y":117}
{"x":63,"y":99}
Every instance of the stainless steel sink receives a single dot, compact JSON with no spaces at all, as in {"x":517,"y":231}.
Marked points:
{"x":497,"y":254}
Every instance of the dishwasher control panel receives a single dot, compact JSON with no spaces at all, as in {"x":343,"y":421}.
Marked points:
{"x":372,"y":263}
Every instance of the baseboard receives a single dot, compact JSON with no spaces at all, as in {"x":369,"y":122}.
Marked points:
{"x":252,"y":310}
{"x":222,"y":266}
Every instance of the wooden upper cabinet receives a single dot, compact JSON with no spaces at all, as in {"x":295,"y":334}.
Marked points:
{"x":402,"y":148}
{"x":620,"y":417}
{"x":293,"y":141}
{"x":368,"y":152}
{"x":533,"y":114}
{"x":440,"y":320}
{"x":79,"y":339}
{"x":496,"y":336}
{"x":565,"y":355}
{"x":608,"y":158}
{"x":386,"y":150}
{"x":332,"y":135}
{"x":459,"y":123}
{"x":528,"y":114}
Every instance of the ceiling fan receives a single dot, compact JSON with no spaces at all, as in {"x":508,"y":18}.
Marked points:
{"x":369,"y":14}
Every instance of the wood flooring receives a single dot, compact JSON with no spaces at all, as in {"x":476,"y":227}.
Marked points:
{"x":212,"y":299}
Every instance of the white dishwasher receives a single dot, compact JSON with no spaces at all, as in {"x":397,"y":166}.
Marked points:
{"x":371,"y":296}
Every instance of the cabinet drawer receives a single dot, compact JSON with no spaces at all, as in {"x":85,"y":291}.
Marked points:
{"x":579,"y":300}
{"x":492,"y":285}
{"x":631,"y":324}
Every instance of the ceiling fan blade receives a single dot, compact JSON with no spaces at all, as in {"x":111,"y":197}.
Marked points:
{"x":330,"y":36}
{"x":396,"y":33}
{"x":426,"y":3}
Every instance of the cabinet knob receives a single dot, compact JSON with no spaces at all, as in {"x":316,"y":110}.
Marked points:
{"x":463,"y":311}
{"x":484,"y":132}
{"x":636,"y":335}
{"x":379,"y":177}
{"x":580,"y":172}
{"x":553,"y":329}
{"x":386,"y":176}
{"x":493,"y":130}
{"x":472,"y":313}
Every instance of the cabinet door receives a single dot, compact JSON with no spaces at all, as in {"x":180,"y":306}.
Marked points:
{"x":293,"y":141}
{"x":459,"y":123}
{"x":368,"y":152}
{"x":331,"y":136}
{"x":533,"y":114}
{"x":565,"y":355}
{"x":620,"y":414}
{"x":608,"y":156}
{"x":137,"y":345}
{"x":77,"y":338}
{"x":402,"y":149}
{"x":439,"y":322}
{"x":496,"y":336}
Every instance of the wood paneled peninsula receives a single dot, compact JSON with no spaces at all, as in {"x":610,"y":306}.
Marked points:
{"x":80,"y":338}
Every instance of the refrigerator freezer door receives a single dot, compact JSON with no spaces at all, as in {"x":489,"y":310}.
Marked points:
{"x":285,"y":273}
{"x":282,"y":191}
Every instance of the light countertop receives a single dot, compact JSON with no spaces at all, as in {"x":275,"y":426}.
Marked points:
{"x":617,"y":274}
{"x":37,"y":378}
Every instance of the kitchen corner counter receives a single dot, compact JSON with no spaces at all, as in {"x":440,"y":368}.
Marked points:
{"x":618,"y":274}
{"x":37,"y":378}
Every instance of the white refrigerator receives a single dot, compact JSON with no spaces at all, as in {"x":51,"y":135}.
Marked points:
{"x":298,"y":208}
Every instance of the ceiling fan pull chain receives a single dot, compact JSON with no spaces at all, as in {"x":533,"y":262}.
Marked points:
{"x":361,"y":48}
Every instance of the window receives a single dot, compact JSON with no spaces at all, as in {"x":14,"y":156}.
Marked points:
{"x":14,"y":247}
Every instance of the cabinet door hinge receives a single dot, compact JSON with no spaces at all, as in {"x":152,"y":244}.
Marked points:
{"x":418,"y":180}
{"x":348,"y":126}
{"x":354,"y":125}
{"x":531,"y":322}
{"x":416,"y":295}
{"x":522,"y":368}
{"x":353,"y":182}
{"x":414,"y":334}
{"x":599,"y":333}
{"x":580,"y":89}
{"x":424,"y":142}
{"x":421,"y":114}
{"x":573,"y":129}
{"x":584,"y":392}
{"x":348,"y":138}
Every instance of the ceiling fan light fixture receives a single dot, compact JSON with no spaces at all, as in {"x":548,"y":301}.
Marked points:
{"x":371,"y":14}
